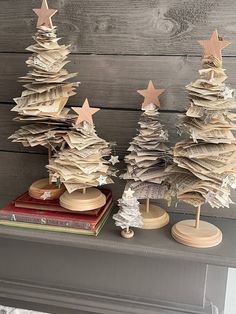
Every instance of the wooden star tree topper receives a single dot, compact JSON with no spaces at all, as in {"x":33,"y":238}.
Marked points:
{"x":45,"y":15}
{"x":213,"y":46}
{"x":85,"y":113}
{"x":151,"y":95}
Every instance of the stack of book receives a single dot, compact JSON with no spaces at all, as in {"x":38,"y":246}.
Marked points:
{"x":27,"y":212}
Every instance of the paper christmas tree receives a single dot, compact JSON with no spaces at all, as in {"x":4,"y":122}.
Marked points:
{"x":206,"y":162}
{"x":46,"y":87}
{"x":149,"y":155}
{"x":129,"y":214}
{"x":81,"y":164}
{"x":41,"y":105}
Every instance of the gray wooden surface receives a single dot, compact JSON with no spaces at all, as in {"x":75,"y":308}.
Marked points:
{"x":216,"y":288}
{"x":146,"y":27}
{"x":16,"y":177}
{"x":126,"y":273}
{"x":117,"y":47}
{"x":113,"y":125}
{"x":112,"y":81}
{"x":150,"y":243}
{"x":149,"y":274}
{"x":115,"y":282}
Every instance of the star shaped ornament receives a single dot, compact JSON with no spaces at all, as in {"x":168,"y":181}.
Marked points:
{"x":50,"y":134}
{"x":85,"y":113}
{"x":102,"y":180}
{"x":129,"y":193}
{"x":45,"y":15}
{"x":114,"y":160}
{"x":46,"y":195}
{"x":213,"y":46}
{"x":228,"y":93}
{"x":151,"y":95}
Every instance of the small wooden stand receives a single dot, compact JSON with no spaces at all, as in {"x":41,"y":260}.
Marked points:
{"x":154,"y":217}
{"x":127,"y":233}
{"x":196,"y":233}
{"x":83,"y":200}
{"x":44,"y":190}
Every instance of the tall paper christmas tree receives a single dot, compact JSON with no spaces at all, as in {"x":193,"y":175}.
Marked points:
{"x":206,"y":162}
{"x":148,"y":159}
{"x":81,"y":165}
{"x":42,"y":103}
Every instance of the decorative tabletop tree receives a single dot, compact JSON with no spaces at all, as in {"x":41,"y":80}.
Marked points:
{"x":206,"y":162}
{"x":148,"y":159}
{"x":81,"y":166}
{"x":129,"y":214}
{"x":45,"y":96}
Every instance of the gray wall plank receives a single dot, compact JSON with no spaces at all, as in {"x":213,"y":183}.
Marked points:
{"x":113,"y":125}
{"x":124,"y":27}
{"x":112,"y":81}
{"x":143,"y":27}
{"x":19,"y":170}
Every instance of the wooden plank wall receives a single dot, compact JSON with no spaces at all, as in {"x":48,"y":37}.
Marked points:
{"x":117,"y":46}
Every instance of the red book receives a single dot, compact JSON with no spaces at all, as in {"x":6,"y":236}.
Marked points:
{"x":26,"y":201}
{"x":51,"y":218}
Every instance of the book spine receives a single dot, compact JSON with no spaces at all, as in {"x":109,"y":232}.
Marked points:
{"x":47,"y":221}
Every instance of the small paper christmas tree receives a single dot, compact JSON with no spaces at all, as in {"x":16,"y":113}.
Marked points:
{"x":129,"y":214}
{"x":46,"y":91}
{"x":148,"y":159}
{"x":206,"y":163}
{"x":81,"y":164}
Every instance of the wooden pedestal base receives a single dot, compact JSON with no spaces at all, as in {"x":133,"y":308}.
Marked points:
{"x":155,"y":218}
{"x":205,"y":236}
{"x":127,"y":234}
{"x":43,"y":190}
{"x":83,"y":201}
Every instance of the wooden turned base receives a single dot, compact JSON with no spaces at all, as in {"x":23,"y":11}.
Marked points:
{"x":43,"y":190}
{"x":205,"y":236}
{"x":79,"y":201}
{"x":155,"y":218}
{"x":127,"y":235}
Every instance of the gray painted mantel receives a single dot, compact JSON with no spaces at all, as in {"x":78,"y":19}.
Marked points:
{"x":117,"y":47}
{"x":149,"y":274}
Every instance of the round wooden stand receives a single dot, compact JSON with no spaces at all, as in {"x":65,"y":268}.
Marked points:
{"x":43,"y":190}
{"x":127,"y":234}
{"x":83,"y":200}
{"x":155,"y":218}
{"x":205,"y":236}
